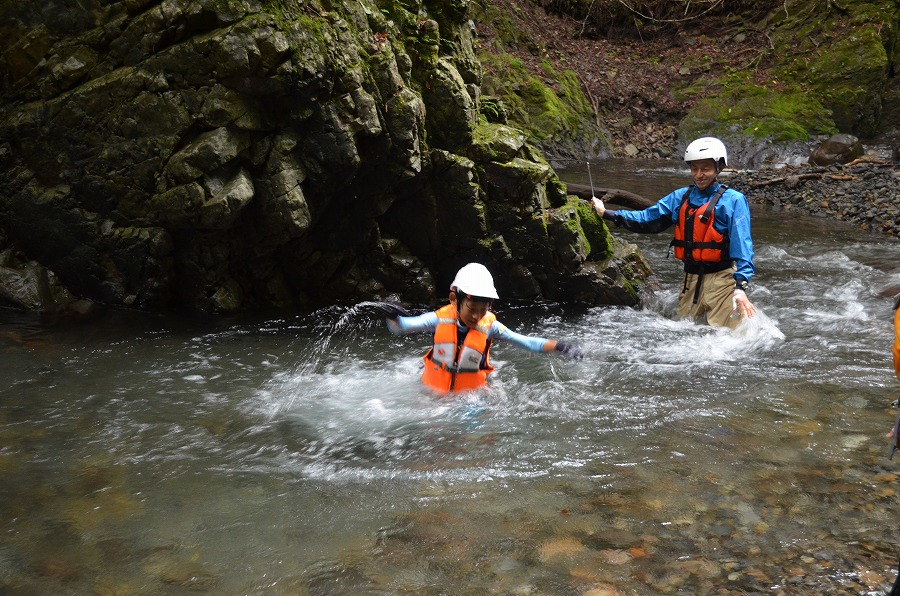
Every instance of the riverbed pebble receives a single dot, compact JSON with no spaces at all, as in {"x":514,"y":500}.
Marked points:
{"x":865,"y":193}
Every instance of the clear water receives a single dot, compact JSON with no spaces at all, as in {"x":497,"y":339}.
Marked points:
{"x":300,"y":455}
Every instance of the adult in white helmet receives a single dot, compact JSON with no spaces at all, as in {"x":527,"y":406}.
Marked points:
{"x":717,"y":251}
{"x":464,"y":330}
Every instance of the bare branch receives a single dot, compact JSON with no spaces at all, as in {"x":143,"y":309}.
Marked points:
{"x":713,"y":4}
{"x":587,"y":16}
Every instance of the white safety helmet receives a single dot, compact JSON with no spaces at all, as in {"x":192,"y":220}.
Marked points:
{"x":707,"y":148}
{"x":475,"y":280}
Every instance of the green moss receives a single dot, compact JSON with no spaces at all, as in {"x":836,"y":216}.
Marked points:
{"x":842,"y":54}
{"x":496,"y":142}
{"x":548,"y":105}
{"x":531,"y":174}
{"x":288,"y":14}
{"x":508,"y":33}
{"x":836,"y":57}
{"x":596,"y":234}
{"x":779,"y":112}
{"x":556,"y":192}
{"x":849,"y":77}
{"x":559,"y":113}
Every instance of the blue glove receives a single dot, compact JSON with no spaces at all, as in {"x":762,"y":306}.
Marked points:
{"x":570,"y":350}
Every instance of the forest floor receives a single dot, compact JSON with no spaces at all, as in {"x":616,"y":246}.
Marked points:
{"x":628,"y":77}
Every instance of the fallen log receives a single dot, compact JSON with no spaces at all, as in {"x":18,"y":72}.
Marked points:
{"x":868,"y":159}
{"x":613,"y":196}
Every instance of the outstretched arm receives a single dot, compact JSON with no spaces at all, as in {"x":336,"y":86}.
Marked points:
{"x":652,"y":220}
{"x":404,"y":325}
{"x":535,"y":344}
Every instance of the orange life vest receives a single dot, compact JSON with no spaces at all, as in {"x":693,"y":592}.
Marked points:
{"x":451,"y":367}
{"x":897,"y":339}
{"x":696,"y":238}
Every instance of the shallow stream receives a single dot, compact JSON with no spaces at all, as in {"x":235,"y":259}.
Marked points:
{"x":300,"y":455}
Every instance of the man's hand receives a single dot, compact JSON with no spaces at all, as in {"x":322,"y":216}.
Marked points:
{"x":599,"y":207}
{"x":741,"y":305}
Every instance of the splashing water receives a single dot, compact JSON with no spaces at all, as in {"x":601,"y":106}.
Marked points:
{"x":304,"y":455}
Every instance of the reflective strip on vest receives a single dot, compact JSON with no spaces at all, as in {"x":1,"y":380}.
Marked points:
{"x":445,"y":370}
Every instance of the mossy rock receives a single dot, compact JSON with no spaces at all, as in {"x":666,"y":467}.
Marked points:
{"x":782,"y":113}
{"x":596,"y":234}
{"x":496,"y":142}
{"x":830,"y":67}
{"x":850,"y":78}
{"x":841,"y":56}
{"x":552,"y":109}
{"x":567,"y":239}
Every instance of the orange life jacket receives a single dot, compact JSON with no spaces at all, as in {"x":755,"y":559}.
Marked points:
{"x":897,"y":339}
{"x":696,"y":238}
{"x":451,"y":367}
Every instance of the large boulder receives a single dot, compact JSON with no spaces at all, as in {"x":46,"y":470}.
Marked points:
{"x":30,"y":286}
{"x":839,"y":148}
{"x":219,"y":155}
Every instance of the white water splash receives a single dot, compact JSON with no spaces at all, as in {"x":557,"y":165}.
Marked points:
{"x":759,"y":330}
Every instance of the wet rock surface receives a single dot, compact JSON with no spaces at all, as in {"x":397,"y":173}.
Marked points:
{"x":215,"y":157}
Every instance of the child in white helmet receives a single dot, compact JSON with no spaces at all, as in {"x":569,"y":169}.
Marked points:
{"x":712,"y":237}
{"x":463,"y":332}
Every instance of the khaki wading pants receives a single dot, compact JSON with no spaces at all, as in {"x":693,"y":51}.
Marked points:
{"x":714,"y":300}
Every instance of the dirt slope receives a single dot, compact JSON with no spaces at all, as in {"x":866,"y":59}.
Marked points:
{"x":633,"y":83}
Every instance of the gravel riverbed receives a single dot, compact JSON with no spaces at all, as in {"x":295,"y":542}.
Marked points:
{"x":863,"y":193}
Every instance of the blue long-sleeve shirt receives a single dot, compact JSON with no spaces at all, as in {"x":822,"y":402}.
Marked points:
{"x":429,"y":322}
{"x":732,"y":218}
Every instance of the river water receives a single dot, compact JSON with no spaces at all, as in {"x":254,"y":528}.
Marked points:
{"x":299,"y":455}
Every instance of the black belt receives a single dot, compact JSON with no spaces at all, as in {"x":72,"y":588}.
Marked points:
{"x":699,"y":267}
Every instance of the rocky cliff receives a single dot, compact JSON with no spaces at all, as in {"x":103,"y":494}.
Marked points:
{"x":222,"y":155}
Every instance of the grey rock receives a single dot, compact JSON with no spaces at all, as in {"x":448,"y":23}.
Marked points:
{"x":224,"y":155}
{"x":840,"y":148}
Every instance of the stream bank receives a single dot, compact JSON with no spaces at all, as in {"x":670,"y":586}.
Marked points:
{"x":864,"y":193}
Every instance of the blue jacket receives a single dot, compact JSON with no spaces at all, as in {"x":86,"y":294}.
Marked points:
{"x":732,"y":219}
